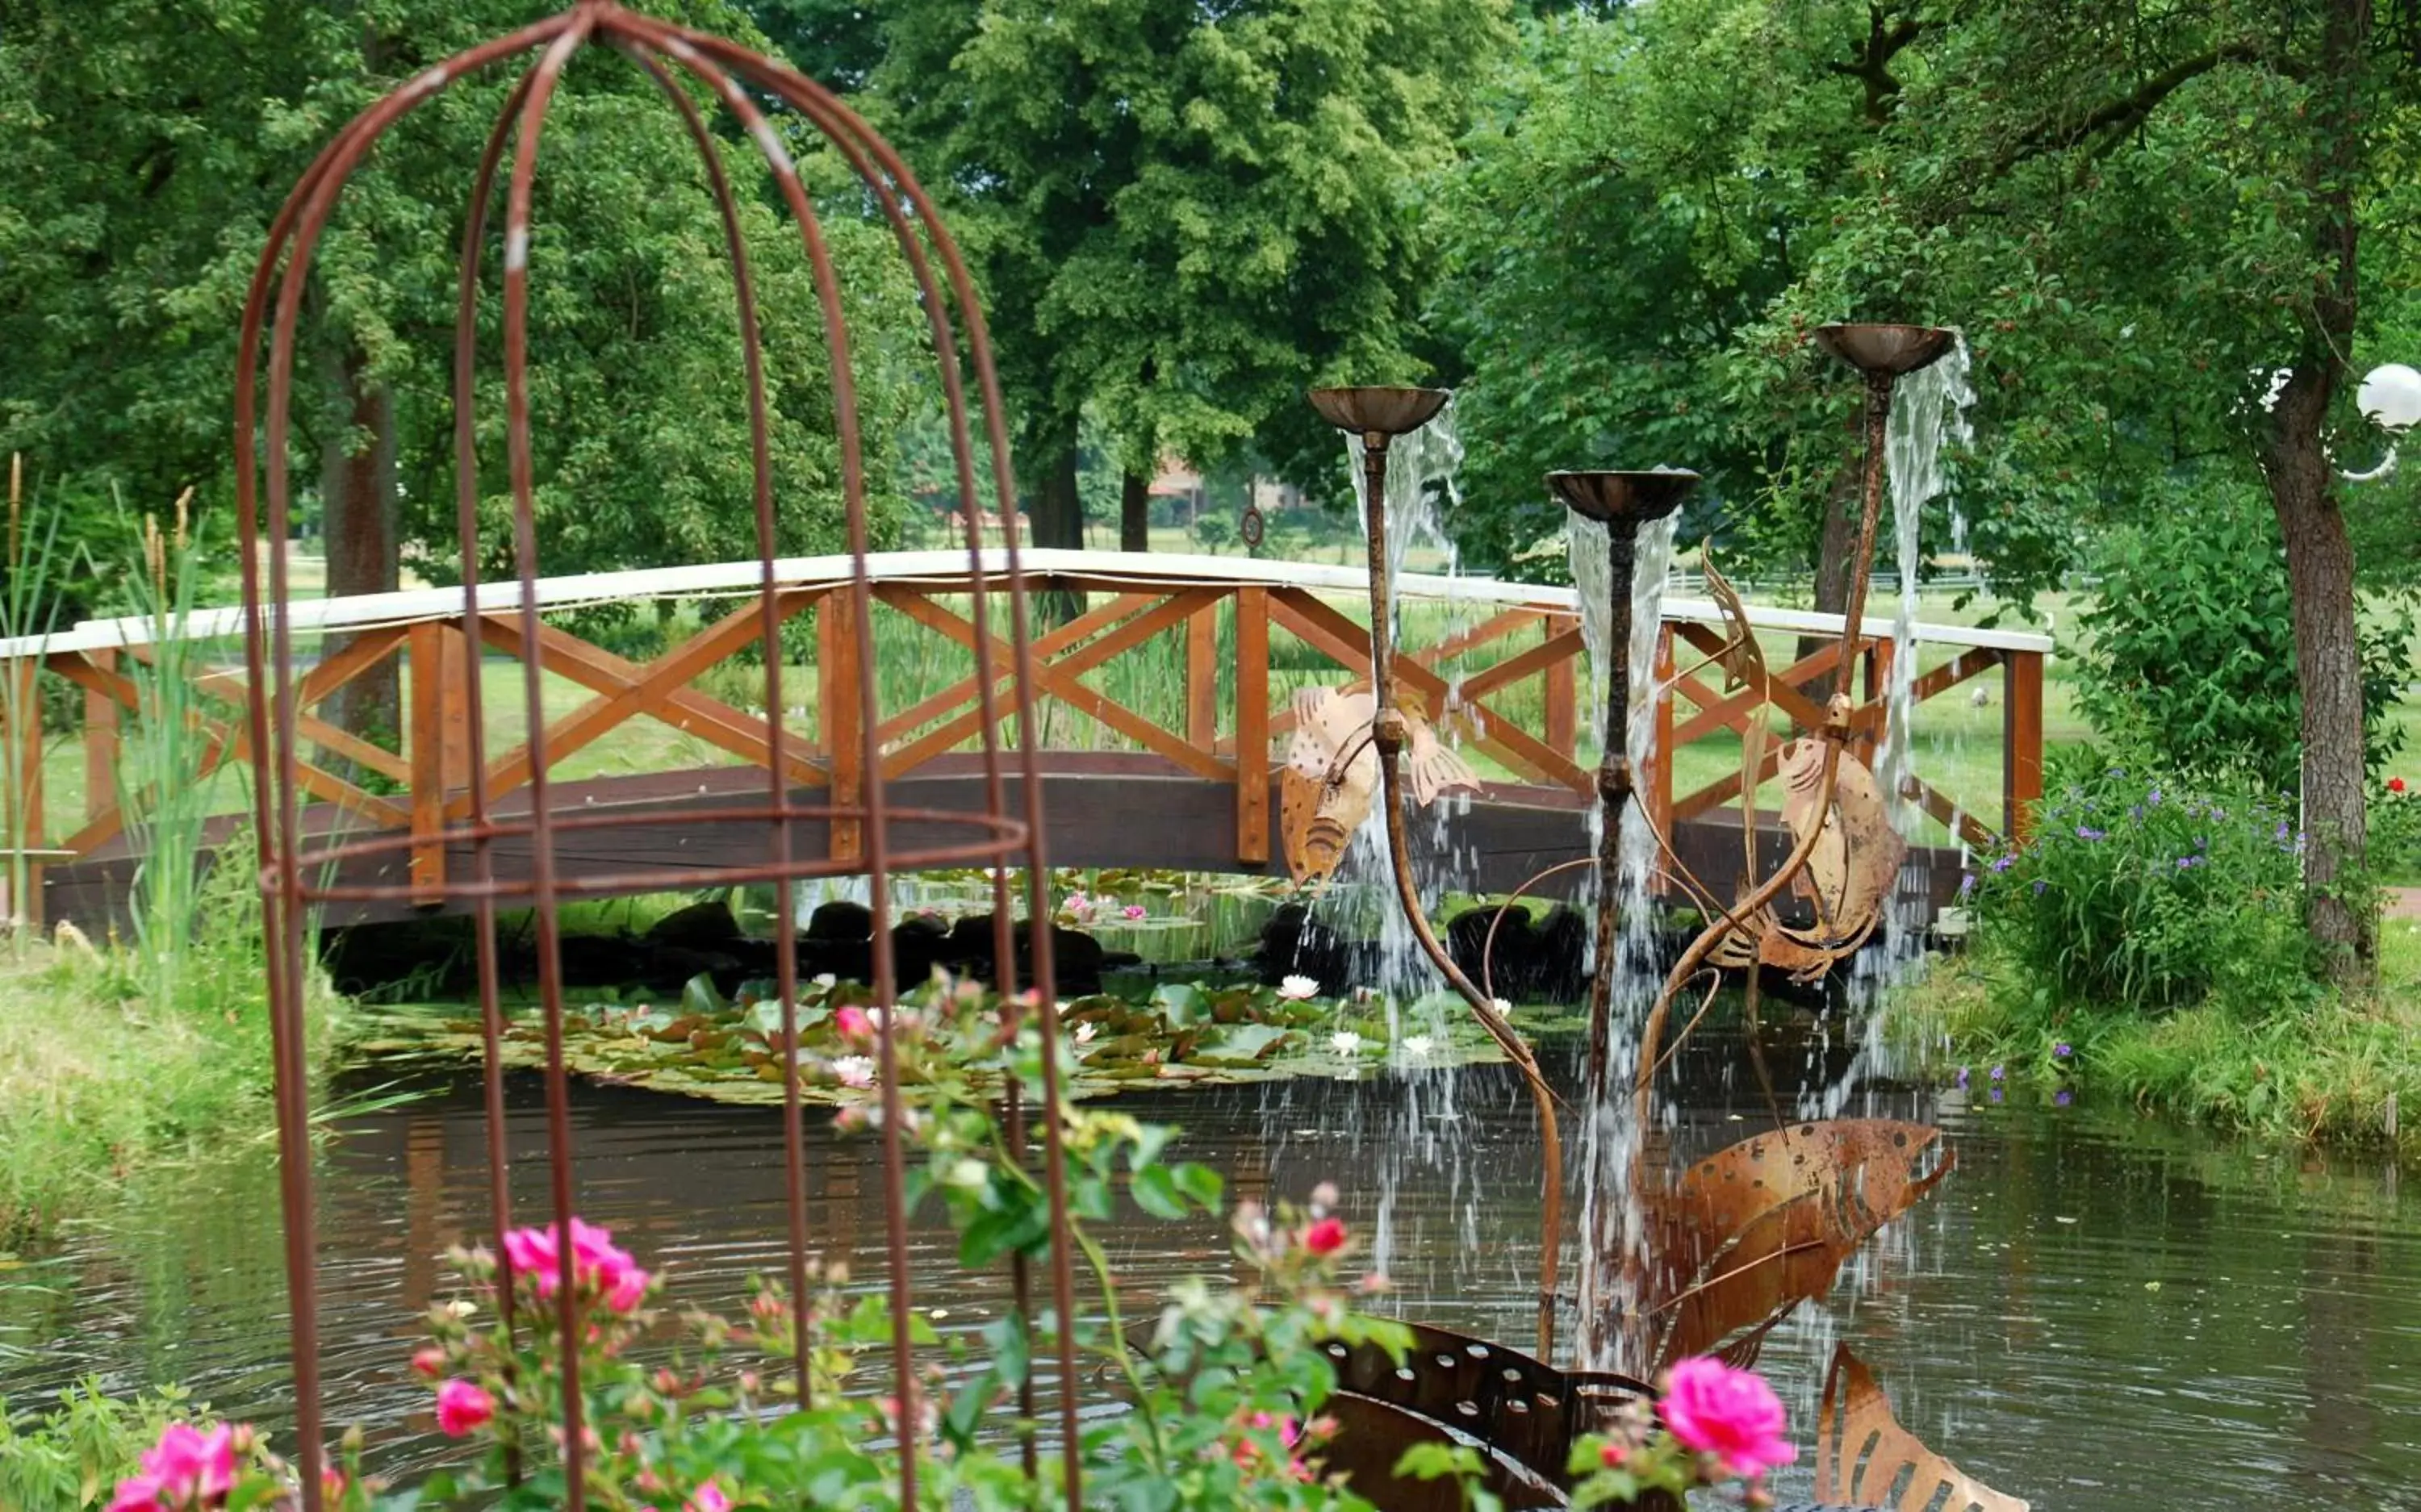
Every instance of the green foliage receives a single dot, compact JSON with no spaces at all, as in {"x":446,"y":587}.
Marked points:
{"x":2190,"y":654}
{"x":151,"y":145}
{"x":2146,"y":891}
{"x":68,"y":1459}
{"x":1182,"y":215}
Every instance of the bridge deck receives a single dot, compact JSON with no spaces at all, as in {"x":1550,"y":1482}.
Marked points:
{"x":1183,"y":666}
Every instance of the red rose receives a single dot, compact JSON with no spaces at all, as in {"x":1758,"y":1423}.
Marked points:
{"x":1326,"y":1236}
{"x":2395,"y":785}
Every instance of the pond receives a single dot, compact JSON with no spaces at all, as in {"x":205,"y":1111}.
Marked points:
{"x":2096,"y":1312}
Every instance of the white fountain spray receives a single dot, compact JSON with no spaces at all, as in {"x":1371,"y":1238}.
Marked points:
{"x":1611,"y":1140}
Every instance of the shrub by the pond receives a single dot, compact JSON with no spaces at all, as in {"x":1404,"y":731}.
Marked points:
{"x":2152,"y":891}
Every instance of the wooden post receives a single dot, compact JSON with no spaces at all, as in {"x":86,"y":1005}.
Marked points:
{"x":22,"y":751}
{"x":1655,"y":792}
{"x":1202,"y":680}
{"x":2021,"y":742}
{"x":1562,"y":730}
{"x":425,"y":747}
{"x":838,"y":667}
{"x":99,"y":740}
{"x":1252,"y":727}
{"x":1878,"y":660}
{"x":454,"y":707}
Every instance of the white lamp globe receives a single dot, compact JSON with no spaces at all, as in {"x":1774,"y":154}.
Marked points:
{"x":2390,"y":397}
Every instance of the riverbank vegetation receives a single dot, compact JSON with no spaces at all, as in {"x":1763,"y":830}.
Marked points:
{"x":112,"y":1068}
{"x":2148,"y":943}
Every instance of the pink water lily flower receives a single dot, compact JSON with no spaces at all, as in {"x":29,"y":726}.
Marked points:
{"x":1132,"y":911}
{"x":1731,"y":1415}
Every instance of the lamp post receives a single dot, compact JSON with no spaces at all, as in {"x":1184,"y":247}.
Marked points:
{"x":2390,"y":399}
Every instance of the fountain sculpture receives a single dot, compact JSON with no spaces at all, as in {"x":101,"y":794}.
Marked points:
{"x":1712,"y":1259}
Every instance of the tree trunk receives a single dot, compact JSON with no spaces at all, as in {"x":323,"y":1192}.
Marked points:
{"x":1134,"y":514}
{"x":358,"y":527}
{"x":1837,"y":542}
{"x":2328,"y":668}
{"x":1060,"y":519}
{"x":2319,"y":556}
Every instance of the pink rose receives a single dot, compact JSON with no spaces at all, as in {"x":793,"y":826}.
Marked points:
{"x":595,"y":1262}
{"x":708,"y":1497}
{"x":429,"y":1363}
{"x":189,"y":1464}
{"x":136,"y":1493}
{"x":462,"y":1407}
{"x":1731,"y":1415}
{"x":1326,"y":1236}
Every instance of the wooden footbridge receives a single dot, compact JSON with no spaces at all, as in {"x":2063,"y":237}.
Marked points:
{"x":1162,"y":705}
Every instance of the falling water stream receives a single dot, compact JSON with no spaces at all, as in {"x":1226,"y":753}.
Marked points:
{"x":1609,"y":1141}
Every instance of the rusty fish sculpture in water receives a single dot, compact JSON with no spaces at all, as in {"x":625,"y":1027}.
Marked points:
{"x":1862,"y":1452}
{"x":1330,"y":776}
{"x":1849,"y":875}
{"x":1749,"y":1233}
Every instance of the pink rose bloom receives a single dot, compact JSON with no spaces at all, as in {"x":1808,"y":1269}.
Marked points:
{"x":1731,"y":1415}
{"x":189,"y":1464}
{"x":429,"y":1363}
{"x":1325,"y":1237}
{"x":462,"y":1406}
{"x":595,"y":1261}
{"x":708,"y":1497}
{"x":136,"y":1493}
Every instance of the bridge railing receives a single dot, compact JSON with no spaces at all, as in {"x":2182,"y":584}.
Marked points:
{"x":1190,"y":659}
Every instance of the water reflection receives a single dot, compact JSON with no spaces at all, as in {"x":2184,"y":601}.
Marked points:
{"x":2096,"y":1312}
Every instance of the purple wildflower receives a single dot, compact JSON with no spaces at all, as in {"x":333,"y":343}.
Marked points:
{"x":2005,"y":864}
{"x":2040,"y":885}
{"x":1996,"y":1094}
{"x":2155,"y":798}
{"x":2062,"y":1098}
{"x":1999,"y":1071}
{"x":1962,"y":1076}
{"x":2188,"y":863}
{"x":2063,"y":1050}
{"x":2086,"y":831}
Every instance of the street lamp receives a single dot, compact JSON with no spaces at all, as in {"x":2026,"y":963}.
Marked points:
{"x":2390,"y":399}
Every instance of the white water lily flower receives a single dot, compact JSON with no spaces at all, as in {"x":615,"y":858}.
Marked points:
{"x":1420,"y":1045}
{"x":827,"y":981}
{"x":1085,"y":1033}
{"x":853,"y":1071}
{"x":1504,"y":1008}
{"x":1296,"y":989}
{"x":1345,"y":1042}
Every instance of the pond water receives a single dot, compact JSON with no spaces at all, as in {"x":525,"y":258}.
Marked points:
{"x":2096,"y":1312}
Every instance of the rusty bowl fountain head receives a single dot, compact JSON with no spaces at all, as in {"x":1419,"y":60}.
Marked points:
{"x":1379,"y":409}
{"x":1888,"y":351}
{"x":1623,"y":498}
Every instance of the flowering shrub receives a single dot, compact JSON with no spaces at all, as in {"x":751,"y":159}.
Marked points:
{"x":2395,"y":832}
{"x":2145,"y":891}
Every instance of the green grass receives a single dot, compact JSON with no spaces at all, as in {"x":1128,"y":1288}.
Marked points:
{"x":2328,"y":1071}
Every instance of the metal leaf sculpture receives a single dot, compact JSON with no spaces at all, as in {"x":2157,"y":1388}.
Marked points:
{"x":1862,"y":1452}
{"x":1330,"y":776}
{"x":1751,"y":1232}
{"x":1849,"y":873}
{"x":1741,"y":657}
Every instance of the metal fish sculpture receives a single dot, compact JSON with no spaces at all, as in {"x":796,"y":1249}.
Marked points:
{"x":1862,"y":1452}
{"x":1330,"y":776}
{"x":1849,"y":875}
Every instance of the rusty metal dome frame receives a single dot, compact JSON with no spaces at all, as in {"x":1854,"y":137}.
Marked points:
{"x":297,"y":873}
